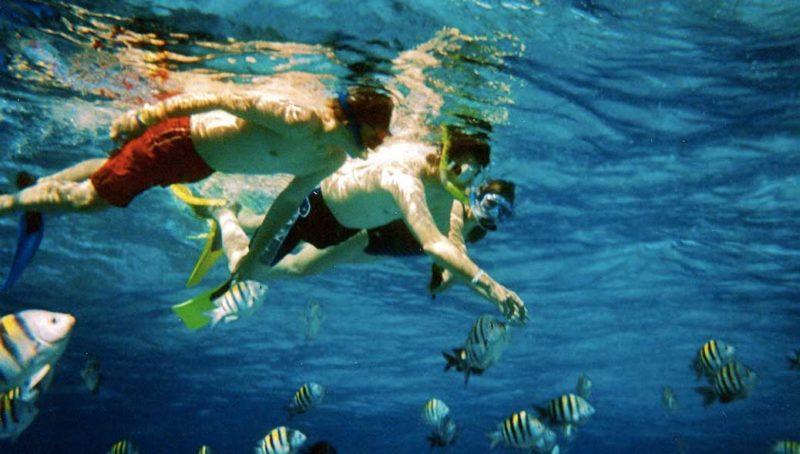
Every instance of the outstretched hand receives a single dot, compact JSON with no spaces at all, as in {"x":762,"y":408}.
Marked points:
{"x":511,"y":305}
{"x":127,"y":126}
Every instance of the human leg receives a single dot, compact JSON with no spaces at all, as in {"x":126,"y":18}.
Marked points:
{"x":53,"y":196}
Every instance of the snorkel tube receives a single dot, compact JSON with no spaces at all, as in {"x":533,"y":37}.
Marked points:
{"x":355,"y":128}
{"x":445,"y":175}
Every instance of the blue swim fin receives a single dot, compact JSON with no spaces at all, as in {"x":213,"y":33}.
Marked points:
{"x":29,"y":235}
{"x":193,"y":311}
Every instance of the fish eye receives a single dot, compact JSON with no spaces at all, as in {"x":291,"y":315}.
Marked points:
{"x":53,"y":320}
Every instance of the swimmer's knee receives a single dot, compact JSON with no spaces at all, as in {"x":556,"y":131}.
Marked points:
{"x":83,"y":196}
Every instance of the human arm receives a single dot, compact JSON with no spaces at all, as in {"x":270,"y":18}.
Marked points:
{"x":270,"y":112}
{"x":442,"y":279}
{"x":409,"y":194}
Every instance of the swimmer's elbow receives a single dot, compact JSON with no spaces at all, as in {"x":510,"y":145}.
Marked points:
{"x":440,"y":250}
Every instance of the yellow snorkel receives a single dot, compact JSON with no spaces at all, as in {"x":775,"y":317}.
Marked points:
{"x":445,"y":175}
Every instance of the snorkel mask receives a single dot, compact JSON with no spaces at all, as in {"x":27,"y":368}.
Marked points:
{"x":490,"y":209}
{"x":455,"y":184}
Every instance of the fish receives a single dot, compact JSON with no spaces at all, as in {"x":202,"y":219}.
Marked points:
{"x":436,"y":414}
{"x":485,"y":343}
{"x":786,"y":447}
{"x":668,"y":400}
{"x":280,"y":440}
{"x":307,"y":397}
{"x":205,"y":450}
{"x":314,"y":317}
{"x":91,"y":374}
{"x":734,"y":381}
{"x":241,"y":299}
{"x":794,"y":361}
{"x":123,"y":447}
{"x":547,"y":443}
{"x":567,"y":411}
{"x":444,"y":434}
{"x":712,"y":356}
{"x":520,"y":431}
{"x":584,"y":386}
{"x":15,"y":416}
{"x":31,"y":341}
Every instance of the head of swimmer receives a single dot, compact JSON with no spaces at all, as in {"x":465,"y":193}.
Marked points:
{"x":367,"y":113}
{"x":491,"y":204}
{"x":467,"y":156}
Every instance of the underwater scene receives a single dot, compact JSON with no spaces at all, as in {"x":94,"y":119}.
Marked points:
{"x":636,"y":234}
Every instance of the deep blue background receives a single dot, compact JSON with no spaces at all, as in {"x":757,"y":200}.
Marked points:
{"x":655,"y":147}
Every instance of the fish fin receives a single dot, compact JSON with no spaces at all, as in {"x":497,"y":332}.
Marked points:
{"x":709,"y":396}
{"x":30,"y":232}
{"x":495,"y":438}
{"x":193,"y":312}
{"x":542,"y":411}
{"x":212,"y":251}
{"x":569,"y":431}
{"x":452,"y":361}
{"x":41,"y":378}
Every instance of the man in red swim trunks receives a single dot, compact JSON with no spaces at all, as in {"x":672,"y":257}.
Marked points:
{"x":186,"y":138}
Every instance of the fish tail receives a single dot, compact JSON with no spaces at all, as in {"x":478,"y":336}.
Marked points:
{"x":452,"y":361}
{"x":216,"y":316}
{"x":495,"y":438}
{"x":709,"y":396}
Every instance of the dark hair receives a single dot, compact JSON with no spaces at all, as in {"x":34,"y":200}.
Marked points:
{"x":370,"y":106}
{"x":464,"y":146}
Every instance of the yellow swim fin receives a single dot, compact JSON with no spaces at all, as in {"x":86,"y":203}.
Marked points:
{"x":212,"y":251}
{"x":184,"y":194}
{"x":193,"y":311}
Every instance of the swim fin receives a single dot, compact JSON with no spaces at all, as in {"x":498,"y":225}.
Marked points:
{"x":198,"y":204}
{"x":212,"y":251}
{"x":30,"y":232}
{"x":193,"y":311}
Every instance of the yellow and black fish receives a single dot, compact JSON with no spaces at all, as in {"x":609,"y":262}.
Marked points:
{"x":123,"y":447}
{"x":786,"y":447}
{"x":733,"y":381}
{"x":280,"y":440}
{"x":15,"y":415}
{"x":567,"y":411}
{"x":436,"y":414}
{"x":307,"y":397}
{"x":712,"y":356}
{"x":205,"y":450}
{"x":31,"y":341}
{"x":485,"y":344}
{"x":523,"y":431}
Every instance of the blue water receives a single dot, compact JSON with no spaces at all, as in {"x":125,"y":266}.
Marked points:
{"x":655,"y":149}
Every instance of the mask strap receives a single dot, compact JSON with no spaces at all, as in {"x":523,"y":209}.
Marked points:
{"x":355,"y":128}
{"x":445,"y":174}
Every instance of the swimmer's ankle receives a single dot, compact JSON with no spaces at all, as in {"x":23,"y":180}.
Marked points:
{"x":8,"y":203}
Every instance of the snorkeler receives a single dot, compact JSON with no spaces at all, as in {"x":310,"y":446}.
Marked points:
{"x":188,"y":137}
{"x":412,"y":182}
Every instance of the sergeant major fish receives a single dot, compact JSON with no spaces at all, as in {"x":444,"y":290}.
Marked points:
{"x":15,"y":416}
{"x":241,"y":299}
{"x":307,"y":397}
{"x":733,"y":381}
{"x":436,"y":414}
{"x":520,"y":431}
{"x":205,"y":450}
{"x":485,"y":344}
{"x":712,"y":356}
{"x":786,"y":447}
{"x":567,"y":411}
{"x":123,"y":447}
{"x":280,"y":440}
{"x":31,"y":341}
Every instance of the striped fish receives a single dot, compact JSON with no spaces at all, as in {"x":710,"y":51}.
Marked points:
{"x":205,"y":450}
{"x":520,"y":431}
{"x":567,"y":411}
{"x":241,"y":299}
{"x":434,"y":412}
{"x":444,"y":434}
{"x":712,"y":356}
{"x":733,"y":381}
{"x":786,"y":447}
{"x":31,"y":341}
{"x":485,"y":344}
{"x":280,"y":440}
{"x":123,"y":447}
{"x":307,"y":397}
{"x":15,"y":416}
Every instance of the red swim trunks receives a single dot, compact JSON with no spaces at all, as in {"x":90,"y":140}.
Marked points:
{"x":163,"y":155}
